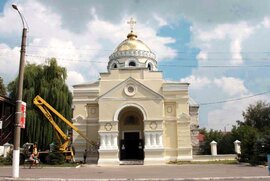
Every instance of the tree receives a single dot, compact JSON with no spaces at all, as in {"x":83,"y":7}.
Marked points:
{"x":3,"y":91}
{"x":253,"y":133}
{"x":258,"y":116}
{"x":224,"y":142}
{"x":48,"y":81}
{"x":248,"y":137}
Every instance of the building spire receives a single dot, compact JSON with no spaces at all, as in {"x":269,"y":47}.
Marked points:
{"x":132,"y":23}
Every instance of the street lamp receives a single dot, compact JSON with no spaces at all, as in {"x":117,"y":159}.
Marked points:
{"x":17,"y":129}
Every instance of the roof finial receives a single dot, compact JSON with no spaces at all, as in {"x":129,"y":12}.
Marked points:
{"x":131,"y":22}
{"x":131,"y":35}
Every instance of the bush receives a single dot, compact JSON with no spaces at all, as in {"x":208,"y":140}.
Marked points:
{"x":7,"y":160}
{"x":55,"y":158}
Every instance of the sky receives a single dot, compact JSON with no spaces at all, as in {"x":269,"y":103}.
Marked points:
{"x":221,"y":48}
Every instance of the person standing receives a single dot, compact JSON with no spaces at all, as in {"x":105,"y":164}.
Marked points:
{"x":84,"y":156}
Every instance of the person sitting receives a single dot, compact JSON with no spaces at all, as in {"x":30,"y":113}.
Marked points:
{"x":34,"y":160}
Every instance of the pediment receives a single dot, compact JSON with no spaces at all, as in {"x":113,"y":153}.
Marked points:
{"x":131,"y":89}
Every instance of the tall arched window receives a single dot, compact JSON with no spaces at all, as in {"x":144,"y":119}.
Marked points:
{"x":149,"y":66}
{"x":114,"y":66}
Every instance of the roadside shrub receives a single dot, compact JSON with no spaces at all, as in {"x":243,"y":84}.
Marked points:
{"x":55,"y":158}
{"x":7,"y":160}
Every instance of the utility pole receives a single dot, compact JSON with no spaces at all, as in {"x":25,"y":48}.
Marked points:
{"x":17,"y":129}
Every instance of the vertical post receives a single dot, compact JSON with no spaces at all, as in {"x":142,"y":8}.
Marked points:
{"x":237,"y":147}
{"x":213,"y":148}
{"x":17,"y":130}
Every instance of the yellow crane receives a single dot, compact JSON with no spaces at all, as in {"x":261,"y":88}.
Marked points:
{"x":46,"y":109}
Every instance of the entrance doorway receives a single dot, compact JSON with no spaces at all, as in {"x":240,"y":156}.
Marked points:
{"x":131,"y":137}
{"x":131,"y":146}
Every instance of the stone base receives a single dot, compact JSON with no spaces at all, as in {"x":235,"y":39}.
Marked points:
{"x":184,"y":154}
{"x":170,"y":159}
{"x":184,"y":158}
{"x":154,"y":156}
{"x":108,"y":157}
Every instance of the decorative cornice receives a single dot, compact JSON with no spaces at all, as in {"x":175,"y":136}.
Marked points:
{"x":135,"y":53}
{"x":175,"y":87}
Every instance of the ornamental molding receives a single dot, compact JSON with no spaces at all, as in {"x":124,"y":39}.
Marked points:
{"x":134,"y":53}
{"x":108,"y":126}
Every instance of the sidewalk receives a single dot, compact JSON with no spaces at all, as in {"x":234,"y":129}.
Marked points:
{"x":142,"y":172}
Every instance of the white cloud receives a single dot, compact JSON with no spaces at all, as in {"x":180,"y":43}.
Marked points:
{"x":160,"y":20}
{"x":48,"y":38}
{"x":231,"y":86}
{"x":202,"y":56}
{"x":229,"y":113}
{"x":220,"y":34}
{"x":196,"y":82}
{"x":74,"y":78}
{"x":266,"y":22}
{"x":9,"y":61}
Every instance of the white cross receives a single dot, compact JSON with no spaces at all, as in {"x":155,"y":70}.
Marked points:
{"x":131,"y":22}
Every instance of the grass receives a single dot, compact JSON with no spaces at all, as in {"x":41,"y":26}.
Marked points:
{"x":205,"y":162}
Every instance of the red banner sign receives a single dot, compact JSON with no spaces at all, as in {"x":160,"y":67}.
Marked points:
{"x":23,"y":115}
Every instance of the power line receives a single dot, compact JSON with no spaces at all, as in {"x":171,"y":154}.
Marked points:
{"x":161,"y":65}
{"x":216,"y":66}
{"x":236,"y":99}
{"x":187,"y":59}
{"x":197,"y":52}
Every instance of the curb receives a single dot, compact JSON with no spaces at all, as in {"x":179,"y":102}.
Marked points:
{"x":143,"y":179}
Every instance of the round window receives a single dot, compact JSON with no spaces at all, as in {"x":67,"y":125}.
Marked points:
{"x":130,"y":90}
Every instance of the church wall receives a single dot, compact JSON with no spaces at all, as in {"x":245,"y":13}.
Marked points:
{"x":170,"y":131}
{"x":177,"y":122}
{"x":86,"y":120}
{"x":153,"y":80}
{"x":170,"y":141}
{"x":79,"y":110}
{"x":153,"y":108}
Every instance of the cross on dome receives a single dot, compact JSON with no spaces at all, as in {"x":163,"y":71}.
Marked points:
{"x":132,"y":23}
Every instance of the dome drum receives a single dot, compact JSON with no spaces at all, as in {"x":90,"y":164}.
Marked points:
{"x":133,"y":53}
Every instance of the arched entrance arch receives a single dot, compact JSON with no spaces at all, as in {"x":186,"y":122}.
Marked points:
{"x":131,"y":132}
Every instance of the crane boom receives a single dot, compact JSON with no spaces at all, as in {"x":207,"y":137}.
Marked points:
{"x":46,"y":108}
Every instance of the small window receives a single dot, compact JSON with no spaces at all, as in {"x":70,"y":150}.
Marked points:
{"x":149,"y":66}
{"x":114,"y":66}
{"x":132,"y":64}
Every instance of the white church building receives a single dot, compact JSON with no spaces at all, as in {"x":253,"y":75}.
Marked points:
{"x":132,"y":113}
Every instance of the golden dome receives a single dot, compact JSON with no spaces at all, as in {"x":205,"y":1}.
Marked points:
{"x":132,"y":43}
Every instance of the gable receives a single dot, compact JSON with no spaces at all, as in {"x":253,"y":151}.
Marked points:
{"x":131,"y":89}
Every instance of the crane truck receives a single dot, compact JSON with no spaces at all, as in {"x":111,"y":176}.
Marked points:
{"x":65,"y":141}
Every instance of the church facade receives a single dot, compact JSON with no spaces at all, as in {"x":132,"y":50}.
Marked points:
{"x":132,"y":113}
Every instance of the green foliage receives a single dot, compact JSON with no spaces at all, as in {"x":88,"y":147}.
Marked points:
{"x":248,"y":136}
{"x":48,"y":81}
{"x":3,"y":90}
{"x":55,"y":158}
{"x":224,"y":142}
{"x":254,"y":133}
{"x":7,"y":160}
{"x":258,"y":116}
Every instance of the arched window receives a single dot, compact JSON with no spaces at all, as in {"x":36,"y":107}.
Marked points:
{"x":132,"y":64}
{"x":149,"y":66}
{"x":114,"y":66}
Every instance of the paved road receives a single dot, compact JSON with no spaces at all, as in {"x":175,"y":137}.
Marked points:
{"x":132,"y":172}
